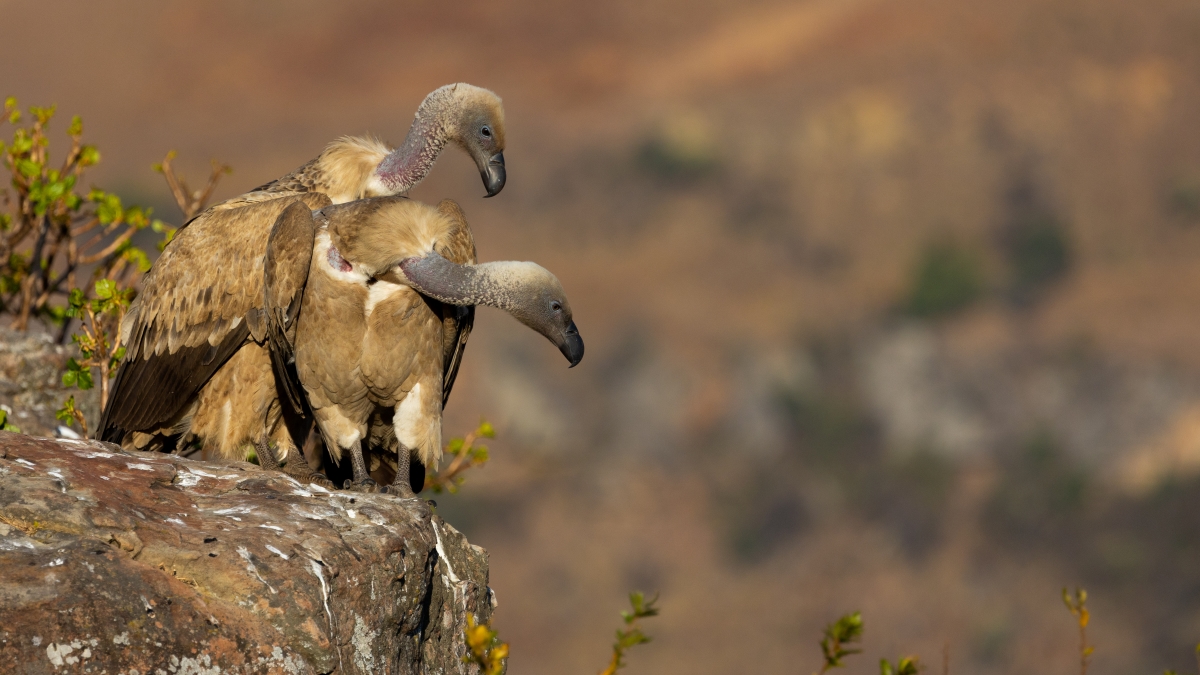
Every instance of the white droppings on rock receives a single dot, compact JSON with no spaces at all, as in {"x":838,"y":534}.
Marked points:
{"x":271,"y":527}
{"x":316,"y":569}
{"x":250,"y":567}
{"x":277,"y":552}
{"x":92,"y":455}
{"x":140,"y":467}
{"x":442,"y":554}
{"x":175,"y":520}
{"x":25,"y":462}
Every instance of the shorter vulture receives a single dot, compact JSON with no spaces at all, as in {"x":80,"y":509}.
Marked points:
{"x":379,"y":334}
{"x":201,"y":303}
{"x":372,"y":301}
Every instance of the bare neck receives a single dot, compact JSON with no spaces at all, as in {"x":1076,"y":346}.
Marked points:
{"x":493,"y":284}
{"x":409,"y":163}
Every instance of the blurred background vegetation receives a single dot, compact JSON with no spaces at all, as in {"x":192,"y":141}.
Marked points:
{"x":889,"y":306}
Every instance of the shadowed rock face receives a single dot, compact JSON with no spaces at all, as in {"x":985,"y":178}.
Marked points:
{"x":124,"y":562}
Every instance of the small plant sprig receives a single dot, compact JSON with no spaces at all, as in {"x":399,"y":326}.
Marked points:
{"x":908,"y":665}
{"x":846,"y":630}
{"x":99,"y":336}
{"x":68,"y":414}
{"x":484,"y":648}
{"x":631,"y":635}
{"x":466,"y":455}
{"x":4,"y":425}
{"x":1077,"y":605}
{"x":191,"y":202}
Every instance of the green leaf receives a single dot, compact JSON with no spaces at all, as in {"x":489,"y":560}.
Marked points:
{"x":76,"y":127}
{"x":66,"y":414}
{"x":43,"y":115}
{"x":105,"y":288}
{"x":89,"y":155}
{"x":485,"y":430}
{"x":85,"y":379}
{"x":28,"y":167}
{"x":70,"y":377}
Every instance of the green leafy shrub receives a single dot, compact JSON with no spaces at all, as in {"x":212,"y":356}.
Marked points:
{"x":54,"y":236}
{"x":946,"y":280}
{"x":68,"y":255}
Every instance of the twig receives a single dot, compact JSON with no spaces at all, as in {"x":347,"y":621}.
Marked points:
{"x":1078,"y":608}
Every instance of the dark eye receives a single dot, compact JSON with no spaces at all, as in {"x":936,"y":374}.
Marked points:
{"x":486,"y":131}
{"x":556,"y":306}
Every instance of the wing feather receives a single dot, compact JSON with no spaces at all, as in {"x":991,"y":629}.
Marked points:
{"x":289,"y":255}
{"x":189,"y":316}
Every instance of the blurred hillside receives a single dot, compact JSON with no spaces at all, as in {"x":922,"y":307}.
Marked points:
{"x":889,"y":306}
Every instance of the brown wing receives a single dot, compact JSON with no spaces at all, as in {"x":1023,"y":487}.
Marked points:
{"x":289,"y":255}
{"x":457,"y":322}
{"x":304,"y":179}
{"x":191,"y":314}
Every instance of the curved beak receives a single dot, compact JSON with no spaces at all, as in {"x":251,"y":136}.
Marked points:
{"x":572,"y":345}
{"x":493,"y":174}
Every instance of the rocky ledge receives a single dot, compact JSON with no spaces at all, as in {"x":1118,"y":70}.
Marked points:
{"x":139,"y":563}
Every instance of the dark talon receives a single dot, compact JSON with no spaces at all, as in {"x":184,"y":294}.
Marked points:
{"x":365,"y":485}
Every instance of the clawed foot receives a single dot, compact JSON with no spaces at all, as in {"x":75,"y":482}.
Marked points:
{"x":401,"y":489}
{"x":364,"y":485}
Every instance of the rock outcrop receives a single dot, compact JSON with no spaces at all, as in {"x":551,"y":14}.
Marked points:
{"x":123,"y":562}
{"x":31,"y":388}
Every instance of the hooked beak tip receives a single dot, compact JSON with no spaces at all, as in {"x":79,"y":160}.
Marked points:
{"x":573,"y":346}
{"x":493,"y":175}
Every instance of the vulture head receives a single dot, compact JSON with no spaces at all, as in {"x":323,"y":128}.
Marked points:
{"x":463,"y":114}
{"x":526,"y":290}
{"x":478,"y":127}
{"x":537,"y":299}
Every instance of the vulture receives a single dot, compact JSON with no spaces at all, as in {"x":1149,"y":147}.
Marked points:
{"x":380,"y":333}
{"x":201,"y":305}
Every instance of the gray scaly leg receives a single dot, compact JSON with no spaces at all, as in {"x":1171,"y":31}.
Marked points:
{"x":362,"y":480}
{"x":401,"y":485}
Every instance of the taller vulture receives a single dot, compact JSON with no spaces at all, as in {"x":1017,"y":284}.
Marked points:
{"x":202,"y":302}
